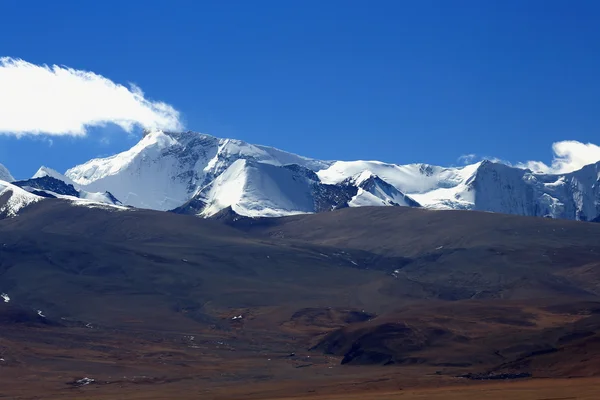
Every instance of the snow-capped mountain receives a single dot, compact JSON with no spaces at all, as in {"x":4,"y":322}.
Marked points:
{"x":13,"y":199}
{"x":575,"y":195}
{"x":428,"y":185}
{"x":255,"y":189}
{"x":374,"y":191}
{"x":164,"y":170}
{"x":199,"y":174}
{"x":46,"y":183}
{"x":49,"y":183}
{"x":5,"y":174}
{"x":44,"y":171}
{"x":487,"y":186}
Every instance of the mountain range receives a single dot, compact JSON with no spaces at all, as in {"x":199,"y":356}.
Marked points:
{"x":193,"y":173}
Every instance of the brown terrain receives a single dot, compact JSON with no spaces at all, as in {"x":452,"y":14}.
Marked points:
{"x":381,"y":303}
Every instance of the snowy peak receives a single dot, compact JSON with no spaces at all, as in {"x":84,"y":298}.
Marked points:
{"x":484,"y":186}
{"x":501,"y":188}
{"x":160,"y":172}
{"x":427,"y":185}
{"x":13,"y":199}
{"x":5,"y":174}
{"x":47,"y":185}
{"x":497,"y":187}
{"x":45,"y":171}
{"x":100,"y":168}
{"x":256,"y":189}
{"x":411,"y":178}
{"x":165,"y":169}
{"x":374,"y":191}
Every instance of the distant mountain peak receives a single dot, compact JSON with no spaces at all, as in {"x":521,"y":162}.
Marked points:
{"x":44,"y":171}
{"x":13,"y":199}
{"x":257,"y":189}
{"x":165,"y":169}
{"x":5,"y":174}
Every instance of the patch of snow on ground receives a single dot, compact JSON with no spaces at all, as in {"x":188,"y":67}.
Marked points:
{"x":85,"y":381}
{"x":94,"y":204}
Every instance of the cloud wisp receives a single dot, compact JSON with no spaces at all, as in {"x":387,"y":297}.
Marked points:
{"x":57,"y":100}
{"x":569,"y":156}
{"x":467,"y":159}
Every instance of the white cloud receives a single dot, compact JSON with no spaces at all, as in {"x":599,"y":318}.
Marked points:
{"x":56,"y":100}
{"x":569,"y":155}
{"x":466,"y":159}
{"x":499,"y":161}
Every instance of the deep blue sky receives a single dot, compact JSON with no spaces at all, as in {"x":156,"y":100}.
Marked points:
{"x":399,"y":81}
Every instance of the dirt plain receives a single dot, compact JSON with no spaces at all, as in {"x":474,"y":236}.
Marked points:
{"x":363,"y":303}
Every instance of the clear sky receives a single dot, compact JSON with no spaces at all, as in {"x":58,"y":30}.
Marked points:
{"x":398,"y":81}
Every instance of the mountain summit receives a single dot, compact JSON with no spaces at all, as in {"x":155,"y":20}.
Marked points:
{"x":165,"y":169}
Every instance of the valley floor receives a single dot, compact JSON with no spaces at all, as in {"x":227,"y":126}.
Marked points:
{"x":535,"y":389}
{"x":52,"y":363}
{"x":360,"y":385}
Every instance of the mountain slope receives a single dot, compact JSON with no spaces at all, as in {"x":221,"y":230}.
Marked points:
{"x":374,"y":191}
{"x":410,"y":179}
{"x":500,"y":188}
{"x":52,"y":185}
{"x":13,"y":199}
{"x":256,"y":189}
{"x":141,"y":263}
{"x":16,"y":196}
